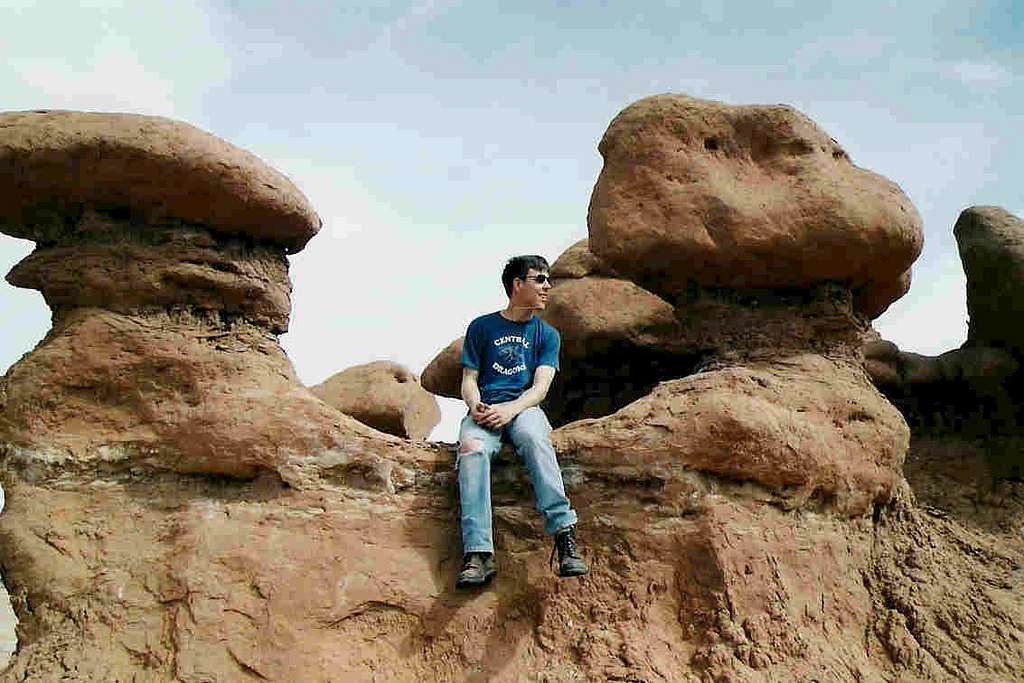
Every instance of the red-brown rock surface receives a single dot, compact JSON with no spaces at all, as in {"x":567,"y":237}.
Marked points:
{"x":744,"y":522}
{"x":592,"y":312}
{"x":577,"y":261}
{"x":443,"y":375}
{"x":383,"y":395}
{"x":55,"y":162}
{"x":166,"y":310}
{"x":991,"y":244}
{"x":695,"y":191}
{"x":806,"y":426}
{"x":167,"y":392}
{"x":695,"y":578}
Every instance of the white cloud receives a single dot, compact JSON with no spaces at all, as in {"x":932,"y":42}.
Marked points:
{"x":152,"y":58}
{"x":978,"y":74}
{"x":156,"y":58}
{"x":850,"y":50}
{"x":112,"y":79}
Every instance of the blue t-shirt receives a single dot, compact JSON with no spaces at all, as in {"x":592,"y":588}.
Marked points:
{"x":506,"y":353}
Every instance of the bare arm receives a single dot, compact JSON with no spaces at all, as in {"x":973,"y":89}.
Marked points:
{"x":470,"y":389}
{"x":542,"y":378}
{"x":499,"y":415}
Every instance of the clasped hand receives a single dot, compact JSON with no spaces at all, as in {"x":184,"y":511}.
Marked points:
{"x":492,"y":416}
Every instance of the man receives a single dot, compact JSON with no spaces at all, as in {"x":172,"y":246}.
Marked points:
{"x":508,"y":361}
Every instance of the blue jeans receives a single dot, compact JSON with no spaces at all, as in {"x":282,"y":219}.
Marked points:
{"x":530,"y":433}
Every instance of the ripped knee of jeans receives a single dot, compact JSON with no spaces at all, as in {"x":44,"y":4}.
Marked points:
{"x":467,"y":448}
{"x":470,"y":446}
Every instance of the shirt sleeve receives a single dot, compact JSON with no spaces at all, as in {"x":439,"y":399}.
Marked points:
{"x":551,"y":342}
{"x":471,"y":347}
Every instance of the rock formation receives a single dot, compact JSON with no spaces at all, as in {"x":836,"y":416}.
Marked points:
{"x":991,"y":243}
{"x":697,"y":255}
{"x":701,"y":193}
{"x":711,"y":329}
{"x":745,"y":512}
{"x":750,"y":306}
{"x":974,"y":393}
{"x":161,"y":252}
{"x":383,"y":395}
{"x":165,"y":320}
{"x":443,"y":375}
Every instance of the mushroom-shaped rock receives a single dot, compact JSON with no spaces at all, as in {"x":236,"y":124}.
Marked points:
{"x":443,"y":375}
{"x":383,"y":395}
{"x":991,"y":243}
{"x":54,"y":162}
{"x":745,"y":197}
{"x":161,"y":251}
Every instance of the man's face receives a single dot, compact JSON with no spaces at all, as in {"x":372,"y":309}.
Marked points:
{"x":529,"y":293}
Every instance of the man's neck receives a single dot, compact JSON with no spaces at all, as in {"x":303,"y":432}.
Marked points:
{"x":517,"y":314}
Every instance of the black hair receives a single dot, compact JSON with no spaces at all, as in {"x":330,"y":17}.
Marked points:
{"x":519,"y":267}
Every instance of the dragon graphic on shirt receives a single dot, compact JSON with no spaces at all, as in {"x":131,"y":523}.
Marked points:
{"x":511,"y":354}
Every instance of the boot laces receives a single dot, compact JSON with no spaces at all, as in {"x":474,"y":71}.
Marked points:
{"x":569,"y":544}
{"x":564,"y":546}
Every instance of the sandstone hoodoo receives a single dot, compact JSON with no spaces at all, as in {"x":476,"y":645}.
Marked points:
{"x":739,"y":480}
{"x":730,"y":231}
{"x":385,"y":396}
{"x":711,"y":328}
{"x":718,"y":233}
{"x":161,"y":251}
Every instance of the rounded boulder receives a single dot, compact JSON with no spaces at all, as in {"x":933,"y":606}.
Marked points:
{"x":745,"y":197}
{"x":382,"y":395}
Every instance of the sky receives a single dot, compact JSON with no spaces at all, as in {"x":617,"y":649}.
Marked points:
{"x":436,"y":139}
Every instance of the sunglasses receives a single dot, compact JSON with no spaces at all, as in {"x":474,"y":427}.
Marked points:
{"x":540,"y":279}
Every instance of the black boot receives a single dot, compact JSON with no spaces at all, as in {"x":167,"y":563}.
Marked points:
{"x":570,"y":562}
{"x":477,"y":570}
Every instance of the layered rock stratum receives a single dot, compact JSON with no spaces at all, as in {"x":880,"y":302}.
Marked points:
{"x":180,"y":508}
